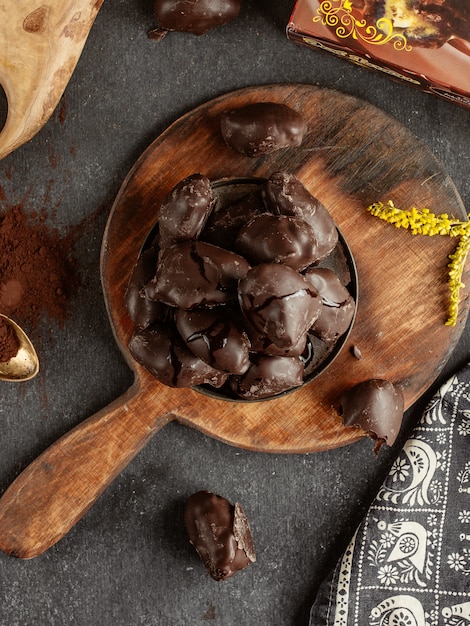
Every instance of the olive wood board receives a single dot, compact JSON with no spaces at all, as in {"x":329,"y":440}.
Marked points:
{"x":353,"y":154}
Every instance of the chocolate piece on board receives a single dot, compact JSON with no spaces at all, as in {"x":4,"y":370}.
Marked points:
{"x":377,"y":407}
{"x":261,"y":128}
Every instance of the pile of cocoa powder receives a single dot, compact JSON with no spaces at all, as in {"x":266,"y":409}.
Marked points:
{"x":9,"y":342}
{"x":37,"y":272}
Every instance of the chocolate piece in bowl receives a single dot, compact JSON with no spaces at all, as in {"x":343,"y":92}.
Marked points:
{"x":163,"y":353}
{"x":143,"y":311}
{"x":262,"y":344}
{"x":286,"y":239}
{"x":223,"y":224}
{"x":377,"y":407}
{"x":338,"y":306}
{"x":279,"y":303}
{"x":285,"y":194}
{"x":213,"y":336}
{"x":220,"y":533}
{"x":195,"y":273}
{"x":268,"y":376}
{"x":262,"y":128}
{"x":192,"y":16}
{"x":184,"y":210}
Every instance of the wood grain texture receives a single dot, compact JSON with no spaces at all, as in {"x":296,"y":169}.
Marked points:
{"x":41,"y":45}
{"x":353,"y":155}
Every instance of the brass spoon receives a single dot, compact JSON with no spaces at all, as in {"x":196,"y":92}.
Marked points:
{"x":23,"y":366}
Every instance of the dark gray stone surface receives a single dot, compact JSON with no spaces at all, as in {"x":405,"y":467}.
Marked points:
{"x":128,"y":562}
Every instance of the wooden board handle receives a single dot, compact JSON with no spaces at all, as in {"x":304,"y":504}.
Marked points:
{"x":58,"y":488}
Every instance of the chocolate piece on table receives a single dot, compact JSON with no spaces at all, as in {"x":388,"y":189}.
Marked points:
{"x":338,"y":305}
{"x":143,"y":311}
{"x":285,"y":194}
{"x":286,"y":239}
{"x":195,"y":273}
{"x":279,"y":303}
{"x":220,"y":533}
{"x":268,"y":376}
{"x":192,"y":16}
{"x":377,"y":407}
{"x":262,"y":128}
{"x":185,"y":209}
{"x":212,"y":336}
{"x":163,"y":353}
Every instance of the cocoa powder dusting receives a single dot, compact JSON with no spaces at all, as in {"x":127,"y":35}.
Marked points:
{"x":9,"y":342}
{"x":37,"y":274}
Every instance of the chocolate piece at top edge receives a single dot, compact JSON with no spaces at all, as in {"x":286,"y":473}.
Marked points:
{"x":377,"y":407}
{"x":162,"y":352}
{"x":195,"y":17}
{"x":286,"y":239}
{"x":279,"y":303}
{"x":143,"y":311}
{"x":262,"y":128}
{"x":185,"y":209}
{"x":212,"y":336}
{"x":220,"y":533}
{"x":268,"y":376}
{"x":338,"y":306}
{"x":195,"y":273}
{"x":285,"y":194}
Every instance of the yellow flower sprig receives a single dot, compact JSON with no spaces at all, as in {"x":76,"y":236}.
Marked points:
{"x":424,"y":222}
{"x":419,"y":221}
{"x":456,"y":268}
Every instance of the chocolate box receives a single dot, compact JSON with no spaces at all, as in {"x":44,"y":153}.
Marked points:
{"x":425,"y":43}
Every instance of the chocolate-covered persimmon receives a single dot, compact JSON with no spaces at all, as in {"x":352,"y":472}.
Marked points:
{"x":220,"y":533}
{"x":192,"y":16}
{"x":285,"y":194}
{"x":279,"y":303}
{"x":262,"y":127}
{"x":376,"y":406}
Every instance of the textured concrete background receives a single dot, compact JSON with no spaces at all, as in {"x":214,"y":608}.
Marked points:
{"x":128,"y":562}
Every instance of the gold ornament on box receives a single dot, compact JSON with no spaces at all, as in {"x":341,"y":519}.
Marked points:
{"x":338,"y":15}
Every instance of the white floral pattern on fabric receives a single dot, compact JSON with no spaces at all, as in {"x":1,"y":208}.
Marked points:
{"x":409,"y":561}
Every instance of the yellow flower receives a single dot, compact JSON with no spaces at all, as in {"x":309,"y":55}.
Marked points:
{"x":424,"y":222}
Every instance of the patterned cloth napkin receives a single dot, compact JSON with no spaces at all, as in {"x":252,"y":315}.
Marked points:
{"x":408,"y":563}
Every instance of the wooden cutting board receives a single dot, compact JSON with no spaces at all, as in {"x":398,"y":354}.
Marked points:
{"x":353,"y":155}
